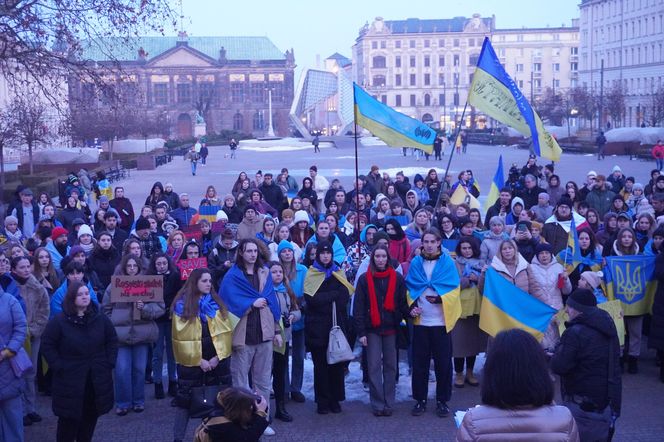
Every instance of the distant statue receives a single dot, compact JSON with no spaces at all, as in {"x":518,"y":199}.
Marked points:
{"x":199,"y":118}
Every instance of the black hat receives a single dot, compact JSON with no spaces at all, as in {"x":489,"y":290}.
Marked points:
{"x":582,"y":300}
{"x":543,"y":248}
{"x":624,"y":215}
{"x":565,"y":201}
{"x":142,"y":224}
{"x":381,"y":234}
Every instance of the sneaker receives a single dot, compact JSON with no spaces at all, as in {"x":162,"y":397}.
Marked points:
{"x":442,"y":409}
{"x":419,"y":408}
{"x":34,"y":417}
{"x":297,"y":396}
{"x":365,"y":386}
{"x":121,"y":411}
{"x":269,"y":431}
{"x":139,"y":408}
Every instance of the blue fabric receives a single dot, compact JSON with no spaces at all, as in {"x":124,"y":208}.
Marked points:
{"x":239,"y":295}
{"x":207,"y":307}
{"x":298,"y":288}
{"x":56,"y":257}
{"x":444,"y":277}
{"x":129,"y":379}
{"x":59,"y":296}
{"x":9,"y":286}
{"x":338,"y":248}
{"x":283,"y":245}
{"x":328,"y":271}
{"x":363,"y":233}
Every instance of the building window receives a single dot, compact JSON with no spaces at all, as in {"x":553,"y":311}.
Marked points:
{"x":574,"y":51}
{"x":129,"y":91}
{"x":456,"y":98}
{"x":397,"y":80}
{"x":383,"y":44}
{"x":537,"y":67}
{"x":374,"y":45}
{"x":456,"y":78}
{"x":456,"y":59}
{"x":427,"y":100}
{"x":427,"y":61}
{"x":397,"y":100}
{"x":383,"y":99}
{"x":237,"y":92}
{"x":519,"y":67}
{"x":471,"y":42}
{"x":238,"y":122}
{"x":441,"y":43}
{"x":538,"y":83}
{"x":413,"y":80}
{"x":184,"y":93}
{"x":441,"y":99}
{"x":397,"y":44}
{"x":519,"y":37}
{"x":556,"y":83}
{"x":412,"y":100}
{"x":160,"y":93}
{"x":378,"y":80}
{"x":426,"y":43}
{"x":574,"y":66}
{"x":441,"y":80}
{"x":412,"y":61}
{"x":520,"y":84}
{"x":258,"y":92}
{"x":427,"y":79}
{"x":206,"y":91}
{"x":277,"y":88}
{"x":379,"y":61}
{"x":470,"y":78}
{"x":397,"y":61}
{"x":556,"y":67}
{"x":441,"y":61}
{"x":473,"y":59}
{"x":456,"y":42}
{"x":412,"y":44}
{"x":258,"y":123}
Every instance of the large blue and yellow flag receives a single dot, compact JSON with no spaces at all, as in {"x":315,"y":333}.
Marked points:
{"x":462,"y":196}
{"x":394,"y":128}
{"x":497,"y":95}
{"x":505,"y":306}
{"x":631,"y":280}
{"x":571,"y":257}
{"x":497,"y":184}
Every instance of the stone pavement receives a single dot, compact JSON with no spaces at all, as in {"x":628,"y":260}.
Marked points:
{"x":339,"y":163}
{"x":641,"y":418}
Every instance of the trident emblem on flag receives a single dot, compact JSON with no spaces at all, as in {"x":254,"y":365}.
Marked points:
{"x":629,"y":285}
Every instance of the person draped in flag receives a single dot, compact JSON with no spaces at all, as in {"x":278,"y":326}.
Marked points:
{"x":433,"y":285}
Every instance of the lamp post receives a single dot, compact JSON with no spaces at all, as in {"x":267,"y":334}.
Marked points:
{"x":270,"y":129}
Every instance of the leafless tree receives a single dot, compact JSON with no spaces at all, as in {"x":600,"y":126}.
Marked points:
{"x":615,"y":104}
{"x":585,"y":102}
{"x":550,"y":107}
{"x":30,"y":118}
{"x":7,"y":138}
{"x":657,"y":115}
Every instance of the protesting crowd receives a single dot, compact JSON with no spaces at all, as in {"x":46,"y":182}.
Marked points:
{"x":256,"y":276}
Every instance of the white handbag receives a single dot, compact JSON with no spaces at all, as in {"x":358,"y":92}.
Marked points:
{"x":338,"y":349}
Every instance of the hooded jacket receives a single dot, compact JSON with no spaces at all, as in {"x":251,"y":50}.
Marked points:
{"x":511,"y":217}
{"x":587,"y":347}
{"x":218,"y":256}
{"x":418,"y":203}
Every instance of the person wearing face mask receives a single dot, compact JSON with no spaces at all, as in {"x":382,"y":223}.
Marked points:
{"x":162,"y":265}
{"x":325,"y":286}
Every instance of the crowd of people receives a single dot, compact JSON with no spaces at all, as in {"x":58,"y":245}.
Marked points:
{"x":289,"y":260}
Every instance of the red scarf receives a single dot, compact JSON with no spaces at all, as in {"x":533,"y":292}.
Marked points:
{"x":388,"y":303}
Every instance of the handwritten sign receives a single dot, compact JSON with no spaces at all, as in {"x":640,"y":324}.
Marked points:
{"x":186,"y":266}
{"x":146,"y":288}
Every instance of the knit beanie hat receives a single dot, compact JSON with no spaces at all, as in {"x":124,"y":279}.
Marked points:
{"x":59,"y":231}
{"x":75,"y":250}
{"x":142,"y":224}
{"x":594,"y":279}
{"x":84,"y":230}
{"x":300,"y":216}
{"x":284,"y":245}
{"x":543,"y":247}
{"x":221,"y":215}
{"x":381,"y":234}
{"x":582,"y":300}
{"x":565,"y":201}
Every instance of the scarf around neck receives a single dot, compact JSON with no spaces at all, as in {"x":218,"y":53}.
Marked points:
{"x":207,"y":307}
{"x":388,"y":301}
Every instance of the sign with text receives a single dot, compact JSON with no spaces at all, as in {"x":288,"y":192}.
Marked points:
{"x":146,"y":288}
{"x":192,"y":232}
{"x":186,"y":266}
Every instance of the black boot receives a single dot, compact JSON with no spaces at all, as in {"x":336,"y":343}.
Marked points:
{"x":172,"y":388}
{"x":282,"y":414}
{"x":158,"y":390}
{"x":632,"y":364}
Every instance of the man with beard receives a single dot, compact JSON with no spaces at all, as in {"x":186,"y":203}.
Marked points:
{"x":556,"y":228}
{"x":118,"y":236}
{"x":58,"y":247}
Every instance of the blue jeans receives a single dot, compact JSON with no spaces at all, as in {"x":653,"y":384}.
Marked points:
{"x":660,"y":163}
{"x":130,"y":375}
{"x":11,"y":419}
{"x":164,"y":340}
{"x":193,"y":167}
{"x":297,"y":361}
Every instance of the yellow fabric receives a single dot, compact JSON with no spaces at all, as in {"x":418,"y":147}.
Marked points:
{"x":471,"y":302}
{"x":187,"y":346}
{"x":314,"y":280}
{"x":451,"y":306}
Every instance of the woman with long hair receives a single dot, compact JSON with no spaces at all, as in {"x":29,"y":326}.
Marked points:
{"x":237,"y":185}
{"x":572,"y":191}
{"x":80,"y":345}
{"x":591,"y":256}
{"x":267,"y":233}
{"x":399,"y":246}
{"x":161,"y":264}
{"x":175,"y":244}
{"x":379,"y":306}
{"x":325,"y":288}
{"x":476,"y":217}
{"x":421,"y":223}
{"x":509,"y":264}
{"x":432,"y":183}
{"x":156,"y":195}
{"x":135,"y":337}
{"x":468,"y":340}
{"x":290,"y":314}
{"x":644,"y":226}
{"x":104,"y":258}
{"x":44,"y":270}
{"x":307,"y":190}
{"x":245,"y":417}
{"x":592,"y":217}
{"x":282,"y":233}
{"x":211,"y":198}
{"x":201,"y":342}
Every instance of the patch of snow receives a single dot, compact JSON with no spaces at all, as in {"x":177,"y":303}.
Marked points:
{"x":372,"y":141}
{"x":63,"y":156}
{"x":643,"y":135}
{"x":557,"y":131}
{"x":281,"y":145}
{"x":135,"y":145}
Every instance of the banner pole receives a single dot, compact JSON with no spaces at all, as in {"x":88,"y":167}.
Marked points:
{"x":456,"y":136}
{"x":357,"y":177}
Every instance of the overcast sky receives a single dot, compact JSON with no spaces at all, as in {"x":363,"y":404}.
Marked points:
{"x":325,"y":27}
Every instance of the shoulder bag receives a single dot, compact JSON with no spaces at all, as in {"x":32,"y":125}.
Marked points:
{"x":338,"y":349}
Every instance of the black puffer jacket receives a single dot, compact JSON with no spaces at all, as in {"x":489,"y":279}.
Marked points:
{"x":76,"y":348}
{"x":318,"y":312}
{"x":582,"y":359}
{"x":389,"y":321}
{"x":103,"y":263}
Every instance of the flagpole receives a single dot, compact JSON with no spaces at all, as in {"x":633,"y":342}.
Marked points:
{"x":357,"y":177}
{"x":456,"y":136}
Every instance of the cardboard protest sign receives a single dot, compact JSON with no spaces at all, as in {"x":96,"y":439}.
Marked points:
{"x":186,"y":266}
{"x":145,"y":288}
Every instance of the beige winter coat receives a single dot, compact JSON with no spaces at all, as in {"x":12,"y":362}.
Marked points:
{"x":133,"y":331}
{"x":544,"y":283}
{"x":520,"y":278}
{"x":37,"y":305}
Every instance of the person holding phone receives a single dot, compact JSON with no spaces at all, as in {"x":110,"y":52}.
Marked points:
{"x":244,"y":418}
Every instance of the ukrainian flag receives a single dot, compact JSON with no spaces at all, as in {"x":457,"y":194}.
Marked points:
{"x":394,"y":128}
{"x":497,"y":95}
{"x":571,"y":256}
{"x":497,"y":184}
{"x":505,"y":306}
{"x":208,"y":213}
{"x":631,"y":280}
{"x":461,"y":195}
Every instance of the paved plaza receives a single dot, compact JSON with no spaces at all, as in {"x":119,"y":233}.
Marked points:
{"x":643,"y":410}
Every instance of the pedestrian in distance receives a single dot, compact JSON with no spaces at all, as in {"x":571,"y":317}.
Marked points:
{"x":600,"y":141}
{"x":193,"y":158}
{"x":233,"y":146}
{"x":316,"y":142}
{"x":658,"y":154}
{"x":204,"y":154}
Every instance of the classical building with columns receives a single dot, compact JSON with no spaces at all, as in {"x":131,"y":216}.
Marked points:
{"x":230,"y":78}
{"x":627,"y":38}
{"x":424,"y":68}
